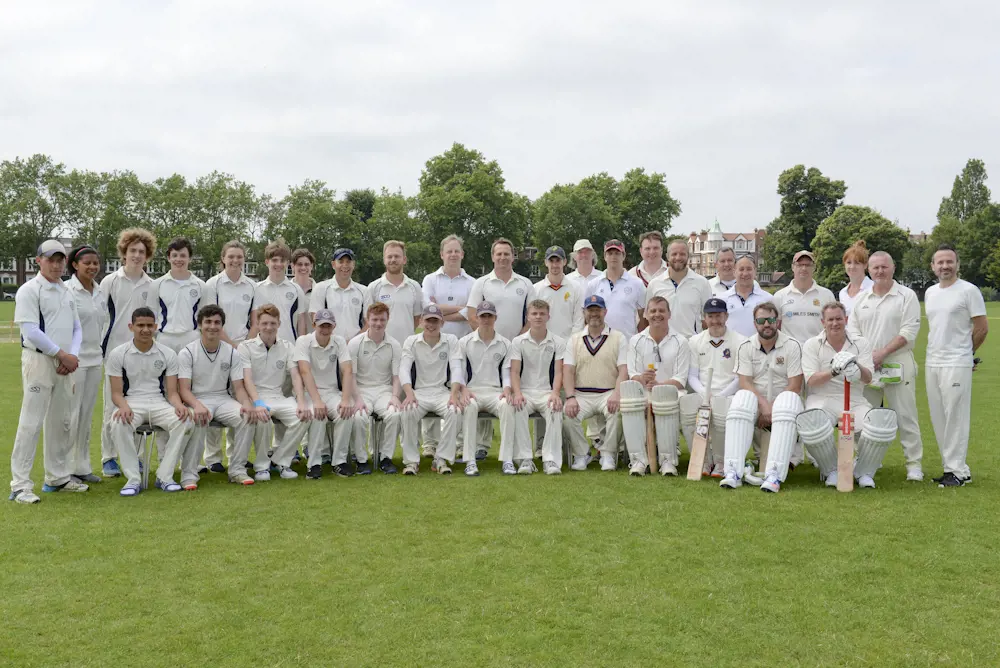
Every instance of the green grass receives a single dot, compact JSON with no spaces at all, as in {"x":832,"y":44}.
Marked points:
{"x":583,"y":569}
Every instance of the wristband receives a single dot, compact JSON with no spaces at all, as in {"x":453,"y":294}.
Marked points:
{"x":259,"y":404}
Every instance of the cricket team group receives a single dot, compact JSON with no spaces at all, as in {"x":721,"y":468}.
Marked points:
{"x":336,"y":372}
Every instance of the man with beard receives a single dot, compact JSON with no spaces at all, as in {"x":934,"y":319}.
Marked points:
{"x":685,"y":290}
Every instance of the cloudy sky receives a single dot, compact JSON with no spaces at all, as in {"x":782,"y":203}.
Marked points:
{"x":893,"y":97}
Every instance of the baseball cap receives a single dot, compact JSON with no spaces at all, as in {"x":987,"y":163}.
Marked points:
{"x":486,"y":307}
{"x":50,"y":247}
{"x":804,"y":253}
{"x":715,"y":305}
{"x":324,"y":315}
{"x":614,"y":244}
{"x":555,"y":251}
{"x":581,"y":244}
{"x":342,"y":252}
{"x":594,"y":300}
{"x":432,"y":311}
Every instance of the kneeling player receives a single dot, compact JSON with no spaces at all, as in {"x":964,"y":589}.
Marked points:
{"x":828,"y":361}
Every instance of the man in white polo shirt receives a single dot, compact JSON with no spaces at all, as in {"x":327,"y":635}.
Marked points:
{"x":956,"y":317}
{"x":508,"y":291}
{"x":376,"y":359}
{"x":347,"y":298}
{"x":802,"y":301}
{"x":51,"y":336}
{"x":725,"y":267}
{"x":653,"y":264}
{"x":431,"y":361}
{"x":398,"y":291}
{"x":584,"y":259}
{"x":324,"y":363}
{"x":177,"y":296}
{"x":564,"y":297}
{"x":685,"y":290}
{"x":283,"y":293}
{"x":743,"y":297}
{"x":623,"y":294}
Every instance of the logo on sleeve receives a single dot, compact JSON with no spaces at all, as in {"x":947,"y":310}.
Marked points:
{"x":628,"y":290}
{"x":35,"y":389}
{"x":145,"y":296}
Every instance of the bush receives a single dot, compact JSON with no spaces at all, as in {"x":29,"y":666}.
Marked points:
{"x":990,"y":294}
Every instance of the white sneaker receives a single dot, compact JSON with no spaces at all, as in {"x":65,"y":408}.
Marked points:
{"x":24,"y":496}
{"x":427,"y":450}
{"x":666,"y":468}
{"x":607,"y":462}
{"x":527,"y":467}
{"x":831,"y":480}
{"x":508,"y":468}
{"x":471,"y":469}
{"x":867,"y":482}
{"x":550,"y":468}
{"x":411,"y":469}
{"x":442,"y":466}
{"x":538,"y":452}
{"x":580,"y":462}
{"x":262,"y":476}
{"x":287,"y":473}
{"x":637,"y":469}
{"x":771,"y":484}
{"x":73,"y":486}
{"x":732,"y":481}
{"x":914,"y":473}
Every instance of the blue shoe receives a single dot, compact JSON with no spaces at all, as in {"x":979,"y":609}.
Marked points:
{"x":298,"y":458}
{"x":480,"y":455}
{"x":274,"y":468}
{"x":168,"y":486}
{"x":131,"y":489}
{"x":110,"y":469}
{"x":71,"y":486}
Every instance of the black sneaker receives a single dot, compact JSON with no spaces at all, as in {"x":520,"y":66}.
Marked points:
{"x":387,"y":467}
{"x":481,"y":455}
{"x":217,"y":467}
{"x":297,"y":457}
{"x":950,"y":480}
{"x":315,"y":472}
{"x":203,"y":470}
{"x":364,"y":468}
{"x":343,"y":470}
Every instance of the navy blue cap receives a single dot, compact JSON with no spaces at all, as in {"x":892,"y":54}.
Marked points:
{"x":716,"y":305}
{"x":594,"y":300}
{"x":341,"y":252}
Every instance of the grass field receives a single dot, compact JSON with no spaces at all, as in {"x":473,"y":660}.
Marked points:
{"x":584,"y":569}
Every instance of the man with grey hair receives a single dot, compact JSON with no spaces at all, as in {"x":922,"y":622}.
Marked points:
{"x":888,"y":316}
{"x":584,"y":259}
{"x":725,"y":268}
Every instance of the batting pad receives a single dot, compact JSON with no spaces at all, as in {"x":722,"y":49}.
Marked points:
{"x":666,"y":414}
{"x":739,"y":428}
{"x":877,"y":434}
{"x":816,"y":432}
{"x":690,"y":403}
{"x":784,"y":410}
{"x":633,"y":409}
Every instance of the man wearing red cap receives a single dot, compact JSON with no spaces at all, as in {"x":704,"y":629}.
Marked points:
{"x":623,"y":293}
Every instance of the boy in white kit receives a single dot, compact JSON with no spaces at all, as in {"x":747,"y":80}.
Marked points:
{"x":267,"y":361}
{"x":210,"y":369}
{"x":564,"y":297}
{"x":430,"y":362}
{"x":536,"y":370}
{"x":144,"y":391}
{"x":623,"y":294}
{"x":177,"y":296}
{"x":376,"y":358}
{"x":398,"y":291}
{"x":51,"y":336}
{"x":487,"y":389}
{"x":956,"y":316}
{"x":325,"y":366}
{"x":282,"y":293}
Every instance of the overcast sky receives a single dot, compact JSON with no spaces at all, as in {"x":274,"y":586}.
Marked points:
{"x":892,"y":97}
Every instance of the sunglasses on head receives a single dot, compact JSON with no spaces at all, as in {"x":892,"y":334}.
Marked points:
{"x":766,"y":321}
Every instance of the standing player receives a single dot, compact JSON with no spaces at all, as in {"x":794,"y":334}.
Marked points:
{"x":956,"y":317}
{"x":303,"y":263}
{"x":623,"y":294}
{"x":658,"y":369}
{"x":376,"y":358}
{"x":585,"y":259}
{"x":126,"y":290}
{"x":268,"y":361}
{"x":398,"y":291}
{"x":347,"y":298}
{"x":177,"y":295}
{"x":431,"y":360}
{"x":769,"y":366}
{"x":209,"y":369}
{"x":91,"y":305}
{"x":855,"y":262}
{"x":508,"y":291}
{"x":536,"y":372}
{"x":743,"y":298}
{"x":281,"y":292}
{"x":725,"y":267}
{"x":888,"y":316}
{"x":594,"y":367}
{"x":653,"y":264}
{"x":685,"y":290}
{"x":715,"y":348}
{"x":827,"y":361}
{"x":564,"y":297}
{"x":51,"y":335}
{"x":144,"y":391}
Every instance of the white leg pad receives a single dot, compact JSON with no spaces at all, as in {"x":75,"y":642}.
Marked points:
{"x":784,"y":410}
{"x":739,"y":429}
{"x":877,"y":434}
{"x":816,"y":431}
{"x":633,"y":409}
{"x":689,"y":403}
{"x":666,"y":417}
{"x":716,"y":444}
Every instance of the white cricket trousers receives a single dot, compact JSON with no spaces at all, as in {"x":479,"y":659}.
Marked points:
{"x":488,"y":400}
{"x":902,"y":398}
{"x":158,"y":413}
{"x":46,"y":411}
{"x":834,"y":407}
{"x":342,"y":430}
{"x":949,"y":393}
{"x":108,"y":448}
{"x":431,"y":400}
{"x":215,"y":440}
{"x":537,"y":401}
{"x":283,"y":409}
{"x":88,"y":382}
{"x":377,"y":402}
{"x":592,"y":405}
{"x":225,"y":410}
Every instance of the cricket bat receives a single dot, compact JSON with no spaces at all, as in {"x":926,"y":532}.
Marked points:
{"x":765,"y":437}
{"x":701,"y":433}
{"x":845,"y":445}
{"x":651,"y":458}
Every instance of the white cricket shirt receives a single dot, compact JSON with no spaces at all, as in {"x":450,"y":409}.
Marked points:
{"x":123,"y":297}
{"x":623,"y":299}
{"x":721,"y":287}
{"x":375,"y":363}
{"x":538,"y":359}
{"x":741,"y":310}
{"x":881,"y":319}
{"x":581,"y":280}
{"x":92,"y":308}
{"x":143,"y":374}
{"x":235,"y":298}
{"x":290,"y":300}
{"x":565,"y":305}
{"x":177,"y":303}
{"x":487,"y":364}
{"x":349,"y":305}
{"x":51,"y":306}
{"x":209,"y":373}
{"x":441,"y":289}
{"x":720,"y":355}
{"x":671,"y":357}
{"x":783,"y":362}
{"x":801,"y":312}
{"x":817,"y":355}
{"x":423,"y":366}
{"x":268,"y":366}
{"x":404,"y":302}
{"x":639,"y":272}
{"x":324,"y":361}
{"x":949,"y":315}
{"x":849,"y":301}
{"x":687,"y":298}
{"x":511,"y":299}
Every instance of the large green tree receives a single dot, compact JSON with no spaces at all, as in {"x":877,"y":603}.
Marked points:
{"x":30,"y":210}
{"x":807,"y":199}
{"x":969,"y":193}
{"x":310,"y":216}
{"x":968,"y":221}
{"x":845,"y":226}
{"x":570,"y":212}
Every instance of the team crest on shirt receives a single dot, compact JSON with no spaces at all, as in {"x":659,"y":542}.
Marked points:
{"x":384,"y":298}
{"x":247,"y":298}
{"x":289,"y":295}
{"x":145,"y":296}
{"x":443,"y":355}
{"x":779,"y":360}
{"x":628,"y":291}
{"x":815,"y":302}
{"x":158,"y":364}
{"x":548,"y":349}
{"x":520,"y":291}
{"x":333,"y":357}
{"x":355,"y":301}
{"x":280,"y":364}
{"x":226,"y":366}
{"x":566,"y":297}
{"x":726,"y":354}
{"x":450,"y":298}
{"x":497,"y":356}
{"x":194,"y":292}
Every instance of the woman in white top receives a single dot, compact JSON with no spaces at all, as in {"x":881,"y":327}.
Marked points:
{"x":84,"y":266}
{"x":855,"y":264}
{"x":303,"y":263}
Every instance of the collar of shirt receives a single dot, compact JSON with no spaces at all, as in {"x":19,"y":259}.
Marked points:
{"x":605,"y":332}
{"x":314,"y":343}
{"x":894,"y":290}
{"x":814,"y":286}
{"x":779,"y":341}
{"x":441,"y":341}
{"x":554,"y":286}
{"x":224,"y":278}
{"x":139,"y":281}
{"x":285,"y":281}
{"x":624,"y":278}
{"x":823,"y":340}
{"x":476,"y":337}
{"x":152,"y":349}
{"x":74,"y":284}
{"x":46,"y":284}
{"x":461,"y":273}
{"x":641,"y":272}
{"x":492,"y":276}
{"x":546,"y":339}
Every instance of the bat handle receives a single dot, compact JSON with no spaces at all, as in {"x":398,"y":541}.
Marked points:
{"x":847,"y":395}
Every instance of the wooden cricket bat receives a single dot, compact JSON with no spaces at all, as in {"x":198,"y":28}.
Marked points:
{"x":845,"y":445}
{"x":765,"y":437}
{"x":702,"y":430}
